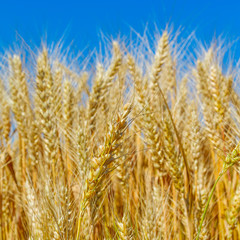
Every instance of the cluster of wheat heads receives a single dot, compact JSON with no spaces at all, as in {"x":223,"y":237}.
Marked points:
{"x":128,"y":149}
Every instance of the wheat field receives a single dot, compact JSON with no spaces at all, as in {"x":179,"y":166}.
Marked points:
{"x":141,"y":142}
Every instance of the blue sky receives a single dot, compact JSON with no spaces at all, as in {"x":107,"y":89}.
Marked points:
{"x":83,"y":21}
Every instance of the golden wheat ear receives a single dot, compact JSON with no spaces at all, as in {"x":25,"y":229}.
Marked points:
{"x":103,"y":164}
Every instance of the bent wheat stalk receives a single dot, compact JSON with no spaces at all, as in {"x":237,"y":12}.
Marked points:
{"x":230,"y":160}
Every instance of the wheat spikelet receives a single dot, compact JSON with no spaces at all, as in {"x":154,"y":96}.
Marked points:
{"x":102,"y":165}
{"x":159,"y":59}
{"x":213,"y":78}
{"x":18,"y":105}
{"x":94,"y":98}
{"x":233,"y":212}
{"x":44,"y":102}
{"x":6,"y":120}
{"x":151,"y":131}
{"x":67,"y":108}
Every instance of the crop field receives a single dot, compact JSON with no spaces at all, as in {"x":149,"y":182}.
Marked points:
{"x":140,"y":141}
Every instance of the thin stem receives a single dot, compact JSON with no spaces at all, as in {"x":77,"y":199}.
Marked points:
{"x":209,"y":199}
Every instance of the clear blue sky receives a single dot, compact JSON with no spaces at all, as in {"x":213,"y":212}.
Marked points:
{"x":82,"y":21}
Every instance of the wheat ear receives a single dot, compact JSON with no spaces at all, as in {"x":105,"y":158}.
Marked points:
{"x":102,"y":165}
